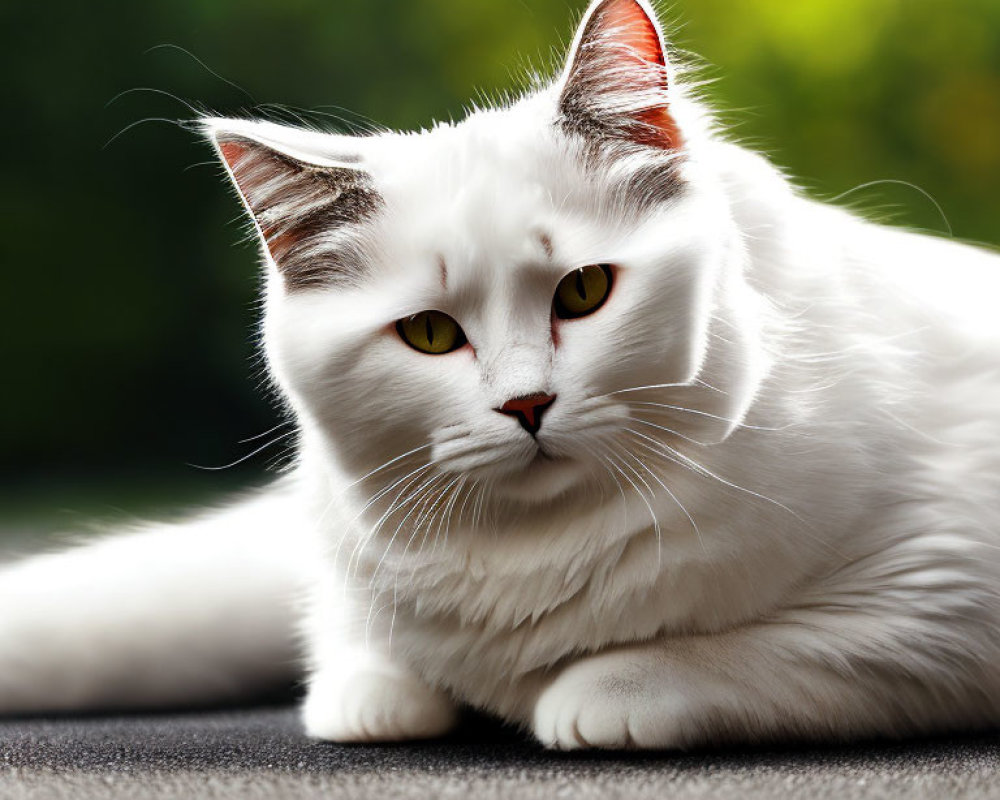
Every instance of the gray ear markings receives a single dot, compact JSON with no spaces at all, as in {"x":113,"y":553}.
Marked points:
{"x":616,"y":80}
{"x":304,"y":212}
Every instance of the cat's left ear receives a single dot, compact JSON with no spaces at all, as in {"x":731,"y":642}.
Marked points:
{"x":308,"y":194}
{"x":617,"y":79}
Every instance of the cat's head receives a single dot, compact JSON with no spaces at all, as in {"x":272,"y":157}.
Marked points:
{"x":482,"y":301}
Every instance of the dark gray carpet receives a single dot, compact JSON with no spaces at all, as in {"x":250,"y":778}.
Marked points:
{"x":261,"y":753}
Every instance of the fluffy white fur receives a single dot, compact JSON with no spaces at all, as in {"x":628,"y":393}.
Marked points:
{"x":768,"y":504}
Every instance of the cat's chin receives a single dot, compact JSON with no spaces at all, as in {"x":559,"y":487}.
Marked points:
{"x":542,"y":480}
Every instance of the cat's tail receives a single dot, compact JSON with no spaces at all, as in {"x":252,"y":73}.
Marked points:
{"x":173,"y":614}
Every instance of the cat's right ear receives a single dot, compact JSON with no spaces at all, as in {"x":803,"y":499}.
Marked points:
{"x":617,"y":82}
{"x":306,"y":192}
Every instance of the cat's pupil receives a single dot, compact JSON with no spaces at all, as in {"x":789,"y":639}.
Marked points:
{"x":582,"y":291}
{"x":431,"y":332}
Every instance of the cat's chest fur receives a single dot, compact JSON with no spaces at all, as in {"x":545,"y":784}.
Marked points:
{"x":494,"y":612}
{"x":489,"y":635}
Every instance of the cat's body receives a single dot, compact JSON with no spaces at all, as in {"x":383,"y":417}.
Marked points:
{"x":762,"y":501}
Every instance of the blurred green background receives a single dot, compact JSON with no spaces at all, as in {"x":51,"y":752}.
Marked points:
{"x":127,"y":287}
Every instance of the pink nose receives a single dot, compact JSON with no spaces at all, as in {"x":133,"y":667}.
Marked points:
{"x":528,"y":410}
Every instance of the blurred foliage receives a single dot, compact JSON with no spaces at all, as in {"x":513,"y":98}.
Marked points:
{"x":128,"y":287}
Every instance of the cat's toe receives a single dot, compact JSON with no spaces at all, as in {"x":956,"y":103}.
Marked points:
{"x":589,"y":706}
{"x":376,"y":706}
{"x":566,"y":720}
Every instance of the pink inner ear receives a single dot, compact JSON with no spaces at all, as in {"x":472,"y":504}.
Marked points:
{"x":634,"y":29}
{"x":625,"y":30}
{"x":233,"y":152}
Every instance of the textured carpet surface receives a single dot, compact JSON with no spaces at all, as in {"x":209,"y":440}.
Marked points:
{"x":262,"y":753}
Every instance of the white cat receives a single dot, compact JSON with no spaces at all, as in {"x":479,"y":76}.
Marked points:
{"x":604,"y":428}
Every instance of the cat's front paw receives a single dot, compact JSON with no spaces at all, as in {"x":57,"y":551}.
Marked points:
{"x":375,"y":704}
{"x":605,"y":702}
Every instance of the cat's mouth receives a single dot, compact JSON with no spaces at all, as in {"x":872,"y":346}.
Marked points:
{"x":544,"y":456}
{"x":528,"y":469}
{"x":545,"y":476}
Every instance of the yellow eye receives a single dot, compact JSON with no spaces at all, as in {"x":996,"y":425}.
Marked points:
{"x":583,"y":291}
{"x":431,"y":332}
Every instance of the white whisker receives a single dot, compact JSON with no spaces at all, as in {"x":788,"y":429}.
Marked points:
{"x":670,"y":493}
{"x":468,"y":494}
{"x":705,"y":471}
{"x":652,"y":513}
{"x":435,"y":510}
{"x":422,"y":492}
{"x":656,"y":526}
{"x":412,"y":477}
{"x":671,"y":431}
{"x":447,"y":515}
{"x":685,"y":385}
{"x":387,"y":464}
{"x":249,"y":455}
{"x":706,"y":414}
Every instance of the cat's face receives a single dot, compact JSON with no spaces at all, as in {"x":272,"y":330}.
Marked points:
{"x":566,"y":247}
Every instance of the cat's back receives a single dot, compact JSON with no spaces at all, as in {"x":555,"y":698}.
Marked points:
{"x":897,"y":331}
{"x":919,"y":320}
{"x":938,"y":283}
{"x":803,"y":252}
{"x":919,"y":329}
